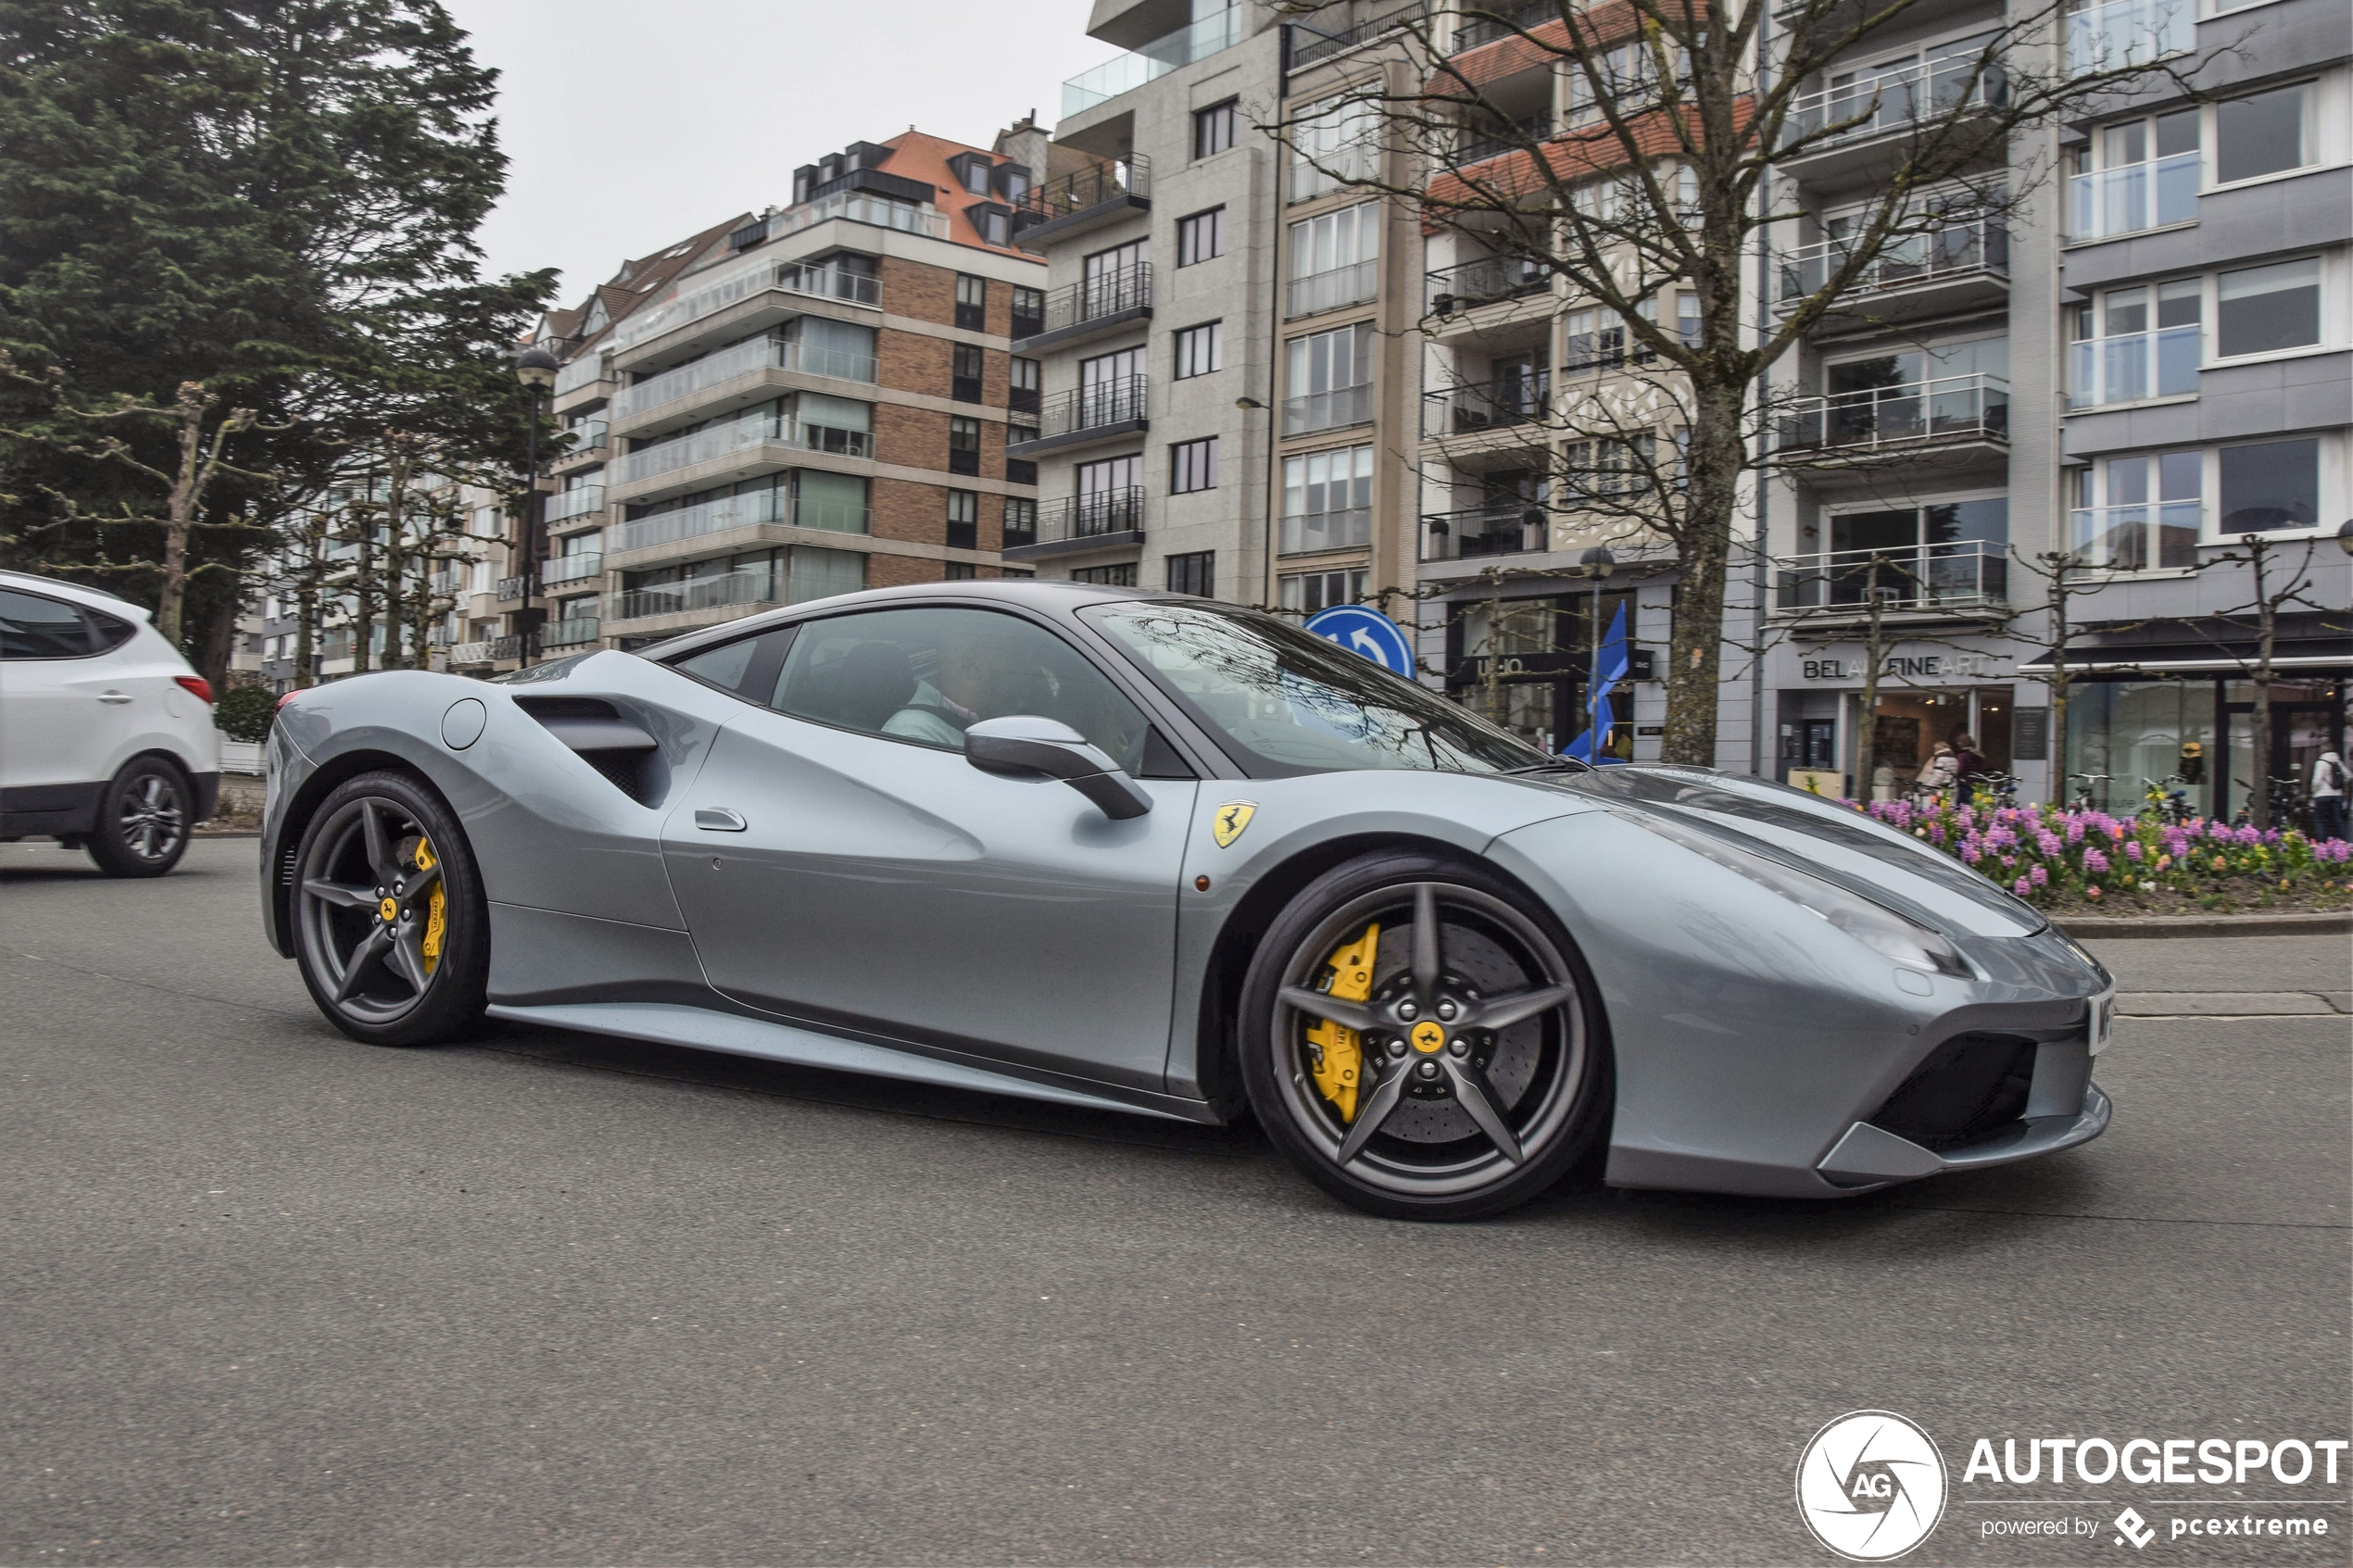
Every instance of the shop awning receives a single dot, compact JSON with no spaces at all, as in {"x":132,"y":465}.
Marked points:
{"x":2306,"y":645}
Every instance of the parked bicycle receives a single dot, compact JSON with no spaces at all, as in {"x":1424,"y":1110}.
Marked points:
{"x":2084,"y":797}
{"x":2165,"y":804}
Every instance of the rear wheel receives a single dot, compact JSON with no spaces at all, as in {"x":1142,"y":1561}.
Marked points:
{"x":1422,"y":1040}
{"x":142,"y":820}
{"x":391,"y":927}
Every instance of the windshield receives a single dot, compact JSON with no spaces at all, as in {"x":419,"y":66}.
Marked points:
{"x":1286,"y":703}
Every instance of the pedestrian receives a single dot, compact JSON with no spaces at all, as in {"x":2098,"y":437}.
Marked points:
{"x":1970,"y":766}
{"x":1940,"y":772}
{"x":2328,"y":796}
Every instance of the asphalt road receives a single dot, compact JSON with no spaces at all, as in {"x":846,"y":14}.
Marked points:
{"x":272,"y":1298}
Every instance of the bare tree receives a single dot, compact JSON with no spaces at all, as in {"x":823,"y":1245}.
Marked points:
{"x":2279,"y":577}
{"x":1664,"y":172}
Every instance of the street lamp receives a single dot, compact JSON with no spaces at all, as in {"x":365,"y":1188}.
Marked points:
{"x":535,"y":368}
{"x":2345,"y":536}
{"x":1598,"y":564}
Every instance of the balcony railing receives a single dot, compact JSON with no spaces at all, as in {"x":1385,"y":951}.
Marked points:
{"x":729,"y":512}
{"x":459,"y":653}
{"x":1130,"y":288}
{"x":1485,"y":28}
{"x":1304,"y":533}
{"x":586,"y":371}
{"x":1318,"y":292}
{"x":1969,"y":576}
{"x":580,"y":501}
{"x":860,"y":207}
{"x":1335,"y":409}
{"x":1308,"y":45}
{"x":571,"y":631}
{"x":1478,"y":143}
{"x":572,"y":567}
{"x":751,"y":586}
{"x":743,"y":359}
{"x":1471,"y":284}
{"x":1897,"y":100}
{"x":819,"y":283}
{"x":1465,"y":409}
{"x":588,"y":435}
{"x":1117,"y":401}
{"x":1512,"y":529}
{"x":725,"y":440}
{"x":1084,"y":517}
{"x":1959,"y":250}
{"x":1329,"y":170}
{"x":2132,"y":366}
{"x":1952,"y":408}
{"x":2125,"y":33}
{"x":2137,"y":197}
{"x":1173,"y":51}
{"x":1083,"y":188}
{"x":2152,"y":536}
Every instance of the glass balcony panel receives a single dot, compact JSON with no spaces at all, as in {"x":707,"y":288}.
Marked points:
{"x":1955,"y":250}
{"x":1489,"y":278}
{"x":571,"y":631}
{"x":571,"y":567}
{"x":743,"y":358}
{"x":1872,"y":105}
{"x":1328,"y":410}
{"x":2131,"y":366}
{"x":1307,"y":533}
{"x":2134,"y":197}
{"x":1916,"y":577}
{"x":1510,"y":528}
{"x":1319,"y":292}
{"x":581,"y":501}
{"x":2145,"y":536}
{"x":1174,"y":52}
{"x":2123,"y":34}
{"x":720,"y":591}
{"x":1952,"y":407}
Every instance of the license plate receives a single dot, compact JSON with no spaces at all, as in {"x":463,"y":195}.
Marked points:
{"x":2103,"y":1019}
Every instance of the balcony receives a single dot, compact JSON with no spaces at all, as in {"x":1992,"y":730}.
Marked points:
{"x":459,"y":653}
{"x":1841,"y":126}
{"x":2126,"y":34}
{"x":743,"y":589}
{"x":1107,"y":520}
{"x":1087,"y":414}
{"x":1088,"y":309}
{"x":1954,"y":411}
{"x":2135,"y":198}
{"x":1173,"y":51}
{"x":738,"y":437}
{"x":2150,"y":537}
{"x":1486,"y":20}
{"x":1308,"y":534}
{"x":591,"y":443}
{"x":2133,"y":367}
{"x":861,"y":207}
{"x":577,"y":375}
{"x":1319,"y":292}
{"x":513,"y":588}
{"x":1957,"y":267}
{"x":728,"y":513}
{"x":1335,"y":409}
{"x":1518,"y":528}
{"x":1469,"y":284}
{"x":1467,"y":410}
{"x":1972,"y":576}
{"x":571,"y":631}
{"x":1309,"y":46}
{"x":674,"y":387}
{"x":566,"y":505}
{"x":1083,"y":199}
{"x":576,"y":568}
{"x":811,"y":281}
{"x":1477,"y":143}
{"x":1333,"y":169}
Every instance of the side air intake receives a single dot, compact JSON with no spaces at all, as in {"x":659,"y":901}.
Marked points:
{"x":618,"y":746}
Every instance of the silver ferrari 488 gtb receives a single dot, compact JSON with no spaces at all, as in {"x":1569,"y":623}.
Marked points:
{"x":1160,"y":855}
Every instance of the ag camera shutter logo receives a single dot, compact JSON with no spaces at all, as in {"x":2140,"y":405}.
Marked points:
{"x":1871,"y":1485}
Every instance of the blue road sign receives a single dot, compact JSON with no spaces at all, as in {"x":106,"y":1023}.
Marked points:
{"x":1364,"y":630}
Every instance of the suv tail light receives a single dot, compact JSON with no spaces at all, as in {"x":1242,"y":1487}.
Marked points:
{"x":197,"y":685}
{"x":285,"y":699}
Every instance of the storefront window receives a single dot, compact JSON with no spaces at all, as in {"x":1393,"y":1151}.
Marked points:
{"x":2140,"y":732}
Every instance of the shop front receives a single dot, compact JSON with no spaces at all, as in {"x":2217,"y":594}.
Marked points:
{"x":1526,"y":663}
{"x":1927,"y":697}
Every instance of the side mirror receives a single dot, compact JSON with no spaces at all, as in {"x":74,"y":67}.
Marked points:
{"x":1023,"y":744}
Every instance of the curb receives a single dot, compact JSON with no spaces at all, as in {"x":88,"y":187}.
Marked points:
{"x":2327,"y":923}
{"x":226,"y":832}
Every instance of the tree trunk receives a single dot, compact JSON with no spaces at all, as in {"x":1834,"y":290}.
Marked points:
{"x":2260,"y":740}
{"x":1717,"y":459}
{"x":1867,"y":726}
{"x":180,"y":512}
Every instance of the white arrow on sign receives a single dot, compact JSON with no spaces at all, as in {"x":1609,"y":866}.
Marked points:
{"x":1366,"y":644}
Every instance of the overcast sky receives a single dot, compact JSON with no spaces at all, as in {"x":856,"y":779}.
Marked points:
{"x":630,"y":126}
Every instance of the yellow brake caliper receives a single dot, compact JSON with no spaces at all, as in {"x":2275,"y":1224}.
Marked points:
{"x":436,"y":909}
{"x":1340,"y":1056}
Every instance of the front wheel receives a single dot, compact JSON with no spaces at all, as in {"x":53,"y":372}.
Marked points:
{"x":391,"y":927}
{"x":1422,"y":1040}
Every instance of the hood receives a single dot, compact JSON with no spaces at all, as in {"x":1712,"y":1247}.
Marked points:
{"x":1866,"y":857}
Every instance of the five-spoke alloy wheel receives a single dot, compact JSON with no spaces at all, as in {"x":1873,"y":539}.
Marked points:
{"x":389,"y":920}
{"x":142,"y":820}
{"x":1422,"y":1039}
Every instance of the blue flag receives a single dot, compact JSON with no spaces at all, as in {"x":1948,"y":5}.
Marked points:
{"x":1610,"y":665}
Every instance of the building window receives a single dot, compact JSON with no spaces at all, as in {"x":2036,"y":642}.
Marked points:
{"x":1192,"y":465}
{"x":971,"y":302}
{"x":2263,"y":133}
{"x":964,"y":444}
{"x":1214,"y":128}
{"x":1327,"y":500}
{"x":1200,"y":236}
{"x":1121,"y":576}
{"x":1020,"y":521}
{"x":1333,"y":146}
{"x":1022,"y":470}
{"x":1304,"y":592}
{"x":1029,"y":310}
{"x":959,"y":570}
{"x":1334,"y":259}
{"x":1200,"y":350}
{"x":964,"y":520}
{"x":2142,"y":174}
{"x":1194,"y":573}
{"x":820,"y":575}
{"x":2265,"y":309}
{"x":995,"y":224}
{"x":1327,"y":380}
{"x":1022,"y":571}
{"x":2140,"y":513}
{"x":1948,"y":552}
{"x":965,"y":379}
{"x":1021,"y":386}
{"x":2130,"y":344}
{"x":2269,"y":487}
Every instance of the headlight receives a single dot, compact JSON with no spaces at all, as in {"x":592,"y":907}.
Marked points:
{"x":1877,"y":927}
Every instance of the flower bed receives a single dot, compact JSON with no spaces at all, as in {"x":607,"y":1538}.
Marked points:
{"x":2132,"y":865}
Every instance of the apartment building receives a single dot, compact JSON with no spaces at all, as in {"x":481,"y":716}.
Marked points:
{"x":816,"y":400}
{"x":2140,"y":361}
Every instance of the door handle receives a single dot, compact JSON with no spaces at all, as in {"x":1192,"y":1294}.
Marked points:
{"x":718,"y":818}
{"x":116,"y":699}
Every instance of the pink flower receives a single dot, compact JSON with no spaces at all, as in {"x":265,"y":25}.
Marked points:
{"x":2009,"y":860}
{"x":2133,"y":849}
{"x":2047,"y":841}
{"x":2020,"y":886}
{"x":2092,"y":892}
{"x":2040,"y":876}
{"x":2248,"y":836}
{"x":2218,"y":829}
{"x":2094,"y":861}
{"x":2075,"y":830}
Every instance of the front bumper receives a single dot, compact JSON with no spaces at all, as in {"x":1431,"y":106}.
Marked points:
{"x":1868,"y":1156}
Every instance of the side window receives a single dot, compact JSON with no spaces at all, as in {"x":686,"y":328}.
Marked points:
{"x":745,"y":667}
{"x":925,"y":675}
{"x":35,"y":627}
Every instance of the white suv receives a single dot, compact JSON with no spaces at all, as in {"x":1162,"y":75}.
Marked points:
{"x":107,"y":739}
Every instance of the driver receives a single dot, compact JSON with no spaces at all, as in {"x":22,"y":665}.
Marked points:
{"x":973,"y":682}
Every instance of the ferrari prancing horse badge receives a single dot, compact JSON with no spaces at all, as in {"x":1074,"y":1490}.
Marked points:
{"x":1231,"y":819}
